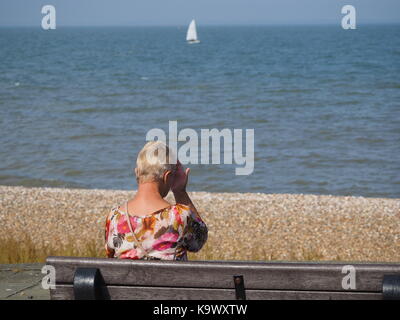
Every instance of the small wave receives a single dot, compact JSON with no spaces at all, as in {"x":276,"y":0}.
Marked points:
{"x":315,"y":164}
{"x":389,"y":86}
{"x":106,"y":110}
{"x":358,"y":93}
{"x":346,"y":103}
{"x":26,"y":181}
{"x":292,"y":90}
{"x":259,"y":120}
{"x":89,"y":136}
{"x":358,"y":161}
{"x":73,"y":173}
{"x":301,"y":182}
{"x":272,"y":159}
{"x":370,"y":140}
{"x":264,"y":101}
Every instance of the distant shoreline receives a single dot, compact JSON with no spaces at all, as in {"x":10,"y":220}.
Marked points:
{"x":230,"y":194}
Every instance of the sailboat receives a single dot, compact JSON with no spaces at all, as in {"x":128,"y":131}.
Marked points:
{"x":191,"y":36}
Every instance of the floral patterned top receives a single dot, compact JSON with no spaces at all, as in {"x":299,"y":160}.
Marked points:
{"x":166,"y":234}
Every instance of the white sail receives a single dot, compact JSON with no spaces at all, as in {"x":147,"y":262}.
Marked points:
{"x":192,"y":32}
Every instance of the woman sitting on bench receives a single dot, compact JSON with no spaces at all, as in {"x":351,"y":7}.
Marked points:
{"x":147,"y":226}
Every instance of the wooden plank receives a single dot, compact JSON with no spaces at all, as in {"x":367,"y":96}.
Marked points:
{"x":218,"y":274}
{"x":65,"y":292}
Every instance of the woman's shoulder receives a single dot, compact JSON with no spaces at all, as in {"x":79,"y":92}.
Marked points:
{"x":176,"y":208}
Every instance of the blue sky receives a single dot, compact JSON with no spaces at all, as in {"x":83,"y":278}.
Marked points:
{"x":180,"y":12}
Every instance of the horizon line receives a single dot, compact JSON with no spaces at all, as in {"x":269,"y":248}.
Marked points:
{"x":204,"y":25}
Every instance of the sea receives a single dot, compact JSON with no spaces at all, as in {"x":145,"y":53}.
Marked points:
{"x":76,"y":104}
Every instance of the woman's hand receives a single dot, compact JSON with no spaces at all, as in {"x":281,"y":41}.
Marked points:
{"x":178,"y":187}
{"x":180,"y":179}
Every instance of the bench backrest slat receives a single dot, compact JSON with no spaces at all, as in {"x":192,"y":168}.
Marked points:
{"x":65,"y":292}
{"x":218,"y":274}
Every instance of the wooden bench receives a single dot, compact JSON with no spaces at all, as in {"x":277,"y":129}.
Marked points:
{"x":91,"y":278}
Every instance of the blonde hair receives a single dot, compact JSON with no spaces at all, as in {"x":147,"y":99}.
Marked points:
{"x":152,"y":162}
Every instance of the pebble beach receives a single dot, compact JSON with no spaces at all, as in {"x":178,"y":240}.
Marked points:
{"x":242,"y":226}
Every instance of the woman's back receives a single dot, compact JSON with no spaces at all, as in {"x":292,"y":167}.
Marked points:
{"x":158,"y":230}
{"x":165,"y":234}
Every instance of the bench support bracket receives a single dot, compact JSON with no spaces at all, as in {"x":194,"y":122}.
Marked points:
{"x":239,"y":287}
{"x":391,"y":287}
{"x":88,"y":284}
